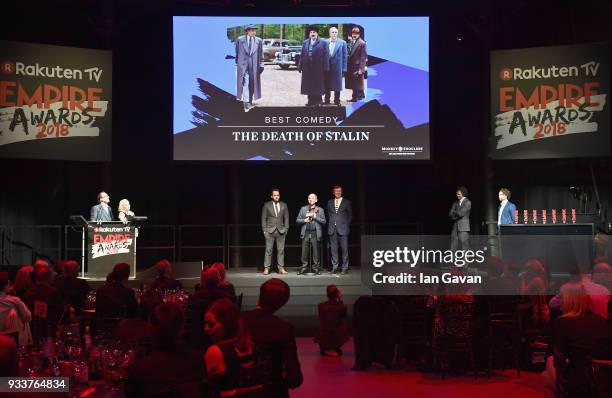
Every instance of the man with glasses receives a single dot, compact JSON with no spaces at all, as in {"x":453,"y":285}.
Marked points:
{"x":101,"y":211}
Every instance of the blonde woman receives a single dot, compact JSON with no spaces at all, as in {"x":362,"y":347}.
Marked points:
{"x":124,"y":211}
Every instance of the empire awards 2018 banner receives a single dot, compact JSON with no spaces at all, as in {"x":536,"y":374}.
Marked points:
{"x":550,"y":102}
{"x":55,"y":102}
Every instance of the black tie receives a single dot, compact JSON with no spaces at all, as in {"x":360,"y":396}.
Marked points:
{"x":250,"y":44}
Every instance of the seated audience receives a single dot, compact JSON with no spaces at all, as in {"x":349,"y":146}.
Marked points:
{"x":274,"y":337}
{"x":602,"y":275}
{"x":534,"y":285}
{"x":23,"y":281}
{"x":598,"y":295}
{"x":209,"y":292}
{"x":233,"y":366}
{"x":44,"y":301}
{"x":8,"y":357}
{"x":332,"y":332}
{"x":499,"y":281}
{"x":73,"y":289}
{"x":164,"y":279}
{"x":172,"y":369}
{"x":224,"y":284}
{"x":14,"y":315}
{"x":115,"y":299}
{"x":578,"y":336}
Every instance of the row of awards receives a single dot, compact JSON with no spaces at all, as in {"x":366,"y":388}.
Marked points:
{"x":540,"y":217}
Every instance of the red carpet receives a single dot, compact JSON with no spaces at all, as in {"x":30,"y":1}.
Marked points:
{"x":332,"y":377}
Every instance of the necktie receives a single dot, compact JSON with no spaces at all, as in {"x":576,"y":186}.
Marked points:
{"x":337,"y":205}
{"x":250,"y":44}
{"x":276,"y":209}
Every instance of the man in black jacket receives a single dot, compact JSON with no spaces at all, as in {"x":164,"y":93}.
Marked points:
{"x":275,"y":224}
{"x":340,"y":214}
{"x":115,"y":300}
{"x":172,"y":369}
{"x":274,"y":337}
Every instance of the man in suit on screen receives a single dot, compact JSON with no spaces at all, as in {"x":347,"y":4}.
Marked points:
{"x":249,"y":66}
{"x":460,"y":214}
{"x":275,"y":224}
{"x":314,"y":63}
{"x":505,"y":213}
{"x":357,"y":65}
{"x":338,"y":57}
{"x":101,"y":211}
{"x":340,"y":214}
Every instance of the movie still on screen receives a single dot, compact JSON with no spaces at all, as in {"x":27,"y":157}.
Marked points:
{"x":305,"y":198}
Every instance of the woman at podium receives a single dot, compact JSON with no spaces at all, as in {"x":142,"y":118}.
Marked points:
{"x":124,"y":211}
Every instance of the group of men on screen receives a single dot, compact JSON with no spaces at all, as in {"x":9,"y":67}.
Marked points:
{"x":323,"y":64}
{"x":311,"y":218}
{"x":460,"y":214}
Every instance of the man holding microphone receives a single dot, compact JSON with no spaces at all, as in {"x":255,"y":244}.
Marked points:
{"x":312,"y":218}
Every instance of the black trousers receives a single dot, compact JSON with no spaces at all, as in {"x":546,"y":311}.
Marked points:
{"x":310,"y":245}
{"x":334,"y":239}
{"x":314,"y":99}
{"x":358,"y":94}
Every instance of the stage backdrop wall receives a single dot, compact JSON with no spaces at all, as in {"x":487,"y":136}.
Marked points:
{"x":550,"y":102}
{"x":55,"y":102}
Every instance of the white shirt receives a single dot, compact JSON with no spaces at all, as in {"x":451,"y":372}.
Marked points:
{"x":276,"y":208}
{"x":337,"y":202}
{"x":332,"y":46}
{"x":501,"y":209}
{"x":312,"y":42}
{"x":461,"y":200}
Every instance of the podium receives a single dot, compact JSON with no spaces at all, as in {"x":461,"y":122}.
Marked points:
{"x":106,"y":243}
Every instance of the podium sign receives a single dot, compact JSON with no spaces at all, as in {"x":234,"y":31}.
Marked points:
{"x":108,"y":244}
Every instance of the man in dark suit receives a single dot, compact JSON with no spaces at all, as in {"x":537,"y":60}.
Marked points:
{"x":73,"y":289}
{"x":101,"y":211}
{"x":340,"y":214}
{"x":115,"y":300}
{"x":275,"y":224}
{"x":312,"y":218}
{"x":314,"y":63}
{"x":172,"y":369}
{"x":460,"y":214}
{"x":164,"y":280}
{"x":275,"y":338}
{"x":357,"y":62}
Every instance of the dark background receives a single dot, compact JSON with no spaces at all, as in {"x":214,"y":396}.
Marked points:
{"x":139,"y":34}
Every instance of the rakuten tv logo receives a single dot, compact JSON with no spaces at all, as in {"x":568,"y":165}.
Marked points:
{"x":7,"y":67}
{"x":505,"y":74}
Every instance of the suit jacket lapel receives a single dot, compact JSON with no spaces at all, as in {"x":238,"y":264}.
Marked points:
{"x":245,"y":44}
{"x":335,"y":49}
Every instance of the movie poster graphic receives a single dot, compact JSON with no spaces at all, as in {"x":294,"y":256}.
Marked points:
{"x":294,"y":88}
{"x":550,"y":102}
{"x":55,"y":102}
